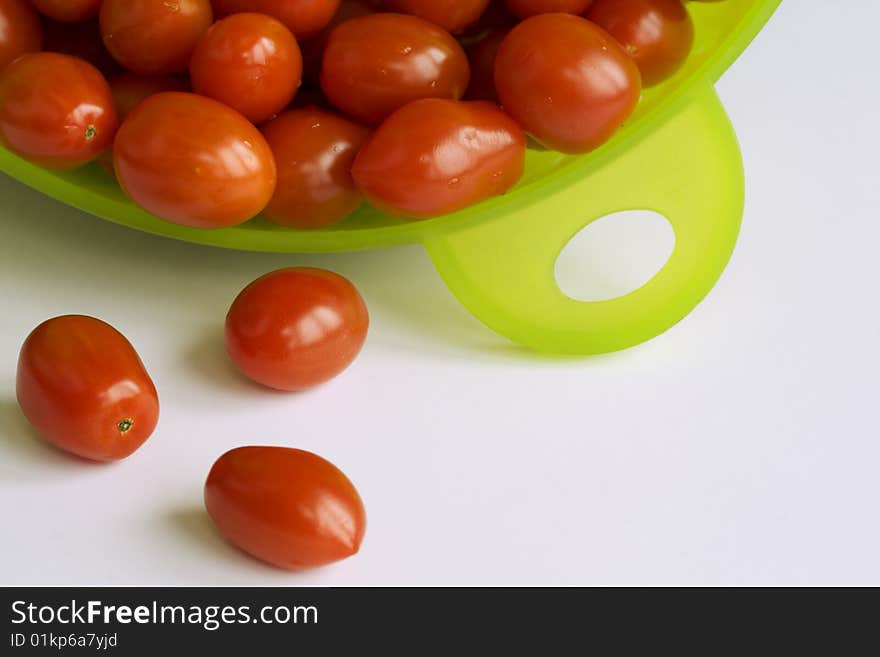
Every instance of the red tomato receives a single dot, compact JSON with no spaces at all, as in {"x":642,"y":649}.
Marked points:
{"x":250,"y":62}
{"x":375,"y":64}
{"x":82,"y":386}
{"x":482,"y":58}
{"x":152,"y":37}
{"x":526,"y":8}
{"x":55,"y":110}
{"x":435,"y":156}
{"x":313,"y":48}
{"x":314,"y":150}
{"x":193,"y":161}
{"x":20,"y":30}
{"x":566,"y":81}
{"x":296,"y":328}
{"x":657,"y":34}
{"x":288,"y":507}
{"x":129,"y":89}
{"x":305,"y":18}
{"x":452,"y":15}
{"x":81,"y":40}
{"x":68,"y":11}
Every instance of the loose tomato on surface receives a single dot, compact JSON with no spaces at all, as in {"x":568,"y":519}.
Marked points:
{"x":250,"y":62}
{"x":193,"y":161}
{"x":452,"y":15}
{"x":305,"y":18}
{"x":527,"y":8}
{"x":83,"y":387}
{"x":657,"y":34}
{"x":435,"y":156}
{"x":375,"y":64}
{"x":295,"y":328}
{"x":287,"y":507}
{"x":55,"y":110}
{"x":314,"y":151}
{"x":68,"y":11}
{"x":20,"y":30}
{"x":153,"y":37}
{"x":129,"y":89}
{"x":566,"y":81}
{"x":81,"y":40}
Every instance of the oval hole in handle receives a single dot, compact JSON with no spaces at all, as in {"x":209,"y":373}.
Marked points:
{"x":614,"y":255}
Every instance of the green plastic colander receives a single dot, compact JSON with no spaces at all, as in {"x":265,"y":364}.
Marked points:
{"x":678,"y":156}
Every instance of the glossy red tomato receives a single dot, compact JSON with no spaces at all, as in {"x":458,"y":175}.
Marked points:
{"x":314,"y":150}
{"x":68,"y":11}
{"x":436,"y":156}
{"x":566,"y":81}
{"x":152,"y":37}
{"x":452,"y":15}
{"x":83,"y":387}
{"x":250,"y":62}
{"x":288,"y":507}
{"x":305,"y":18}
{"x":129,"y":89}
{"x":193,"y":161}
{"x":375,"y":64}
{"x":296,"y":328}
{"x":482,"y":59}
{"x":81,"y":40}
{"x":657,"y":34}
{"x":313,"y":48}
{"x":526,"y":8}
{"x":55,"y":110}
{"x":20,"y":30}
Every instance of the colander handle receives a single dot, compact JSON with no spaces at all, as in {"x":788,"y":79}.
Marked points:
{"x":688,"y":169}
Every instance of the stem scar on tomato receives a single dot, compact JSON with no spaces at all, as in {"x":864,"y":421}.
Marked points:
{"x":91,"y":132}
{"x":125,"y":425}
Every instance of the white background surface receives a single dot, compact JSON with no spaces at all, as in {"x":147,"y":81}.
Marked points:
{"x":739,"y":448}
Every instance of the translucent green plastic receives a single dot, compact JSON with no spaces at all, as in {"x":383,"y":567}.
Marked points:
{"x":678,"y":156}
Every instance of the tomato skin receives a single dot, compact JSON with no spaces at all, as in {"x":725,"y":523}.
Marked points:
{"x":55,"y":110}
{"x":305,"y":18}
{"x":657,"y":34}
{"x":527,"y":8}
{"x":566,"y":81}
{"x":314,"y":150}
{"x":81,"y":40}
{"x":375,"y":64}
{"x":436,"y":156}
{"x":482,"y":59}
{"x":296,"y":328}
{"x":250,"y":62}
{"x":452,"y":15}
{"x":129,"y":89}
{"x":83,"y":387}
{"x":193,"y":161}
{"x":288,"y":507}
{"x":152,"y":37}
{"x":68,"y":11}
{"x":20,"y":30}
{"x":313,"y":48}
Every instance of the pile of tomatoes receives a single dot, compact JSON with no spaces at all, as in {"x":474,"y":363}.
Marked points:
{"x":210,"y":112}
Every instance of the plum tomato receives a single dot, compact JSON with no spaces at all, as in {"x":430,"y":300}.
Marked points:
{"x":295,"y":328}
{"x":193,"y":161}
{"x":20,"y":30}
{"x":250,"y":62}
{"x":375,"y":64}
{"x":482,"y":59}
{"x":436,"y":156}
{"x":68,"y":11}
{"x":452,"y":15}
{"x":527,"y":8}
{"x":129,"y":89}
{"x":287,"y":507}
{"x":566,"y":81}
{"x":313,"y":48}
{"x":55,"y":110}
{"x":83,"y":387}
{"x":81,"y":40}
{"x":657,"y":34}
{"x":152,"y":37}
{"x":314,"y":150}
{"x":305,"y":18}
